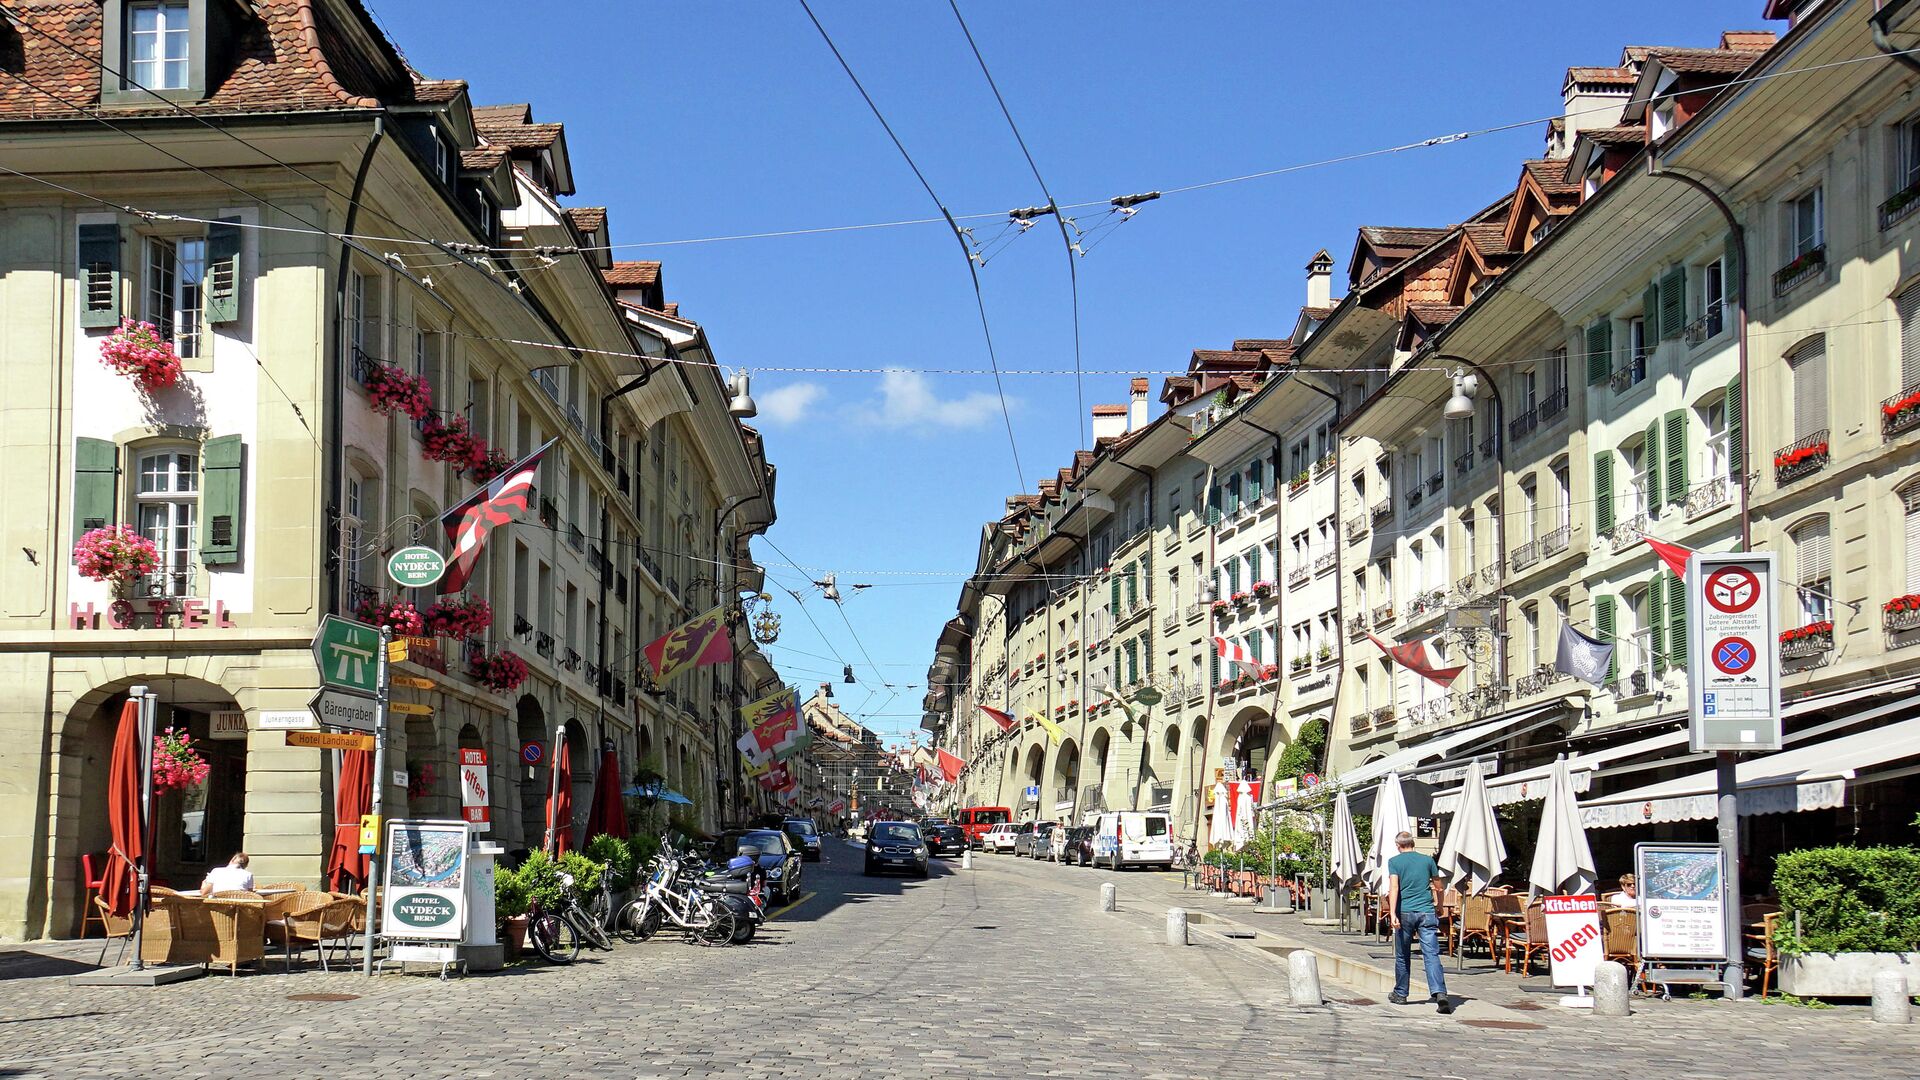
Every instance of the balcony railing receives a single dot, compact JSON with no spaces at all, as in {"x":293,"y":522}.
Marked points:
{"x":1799,"y":271}
{"x":1490,"y":447}
{"x":1525,"y":555}
{"x":1195,"y":610}
{"x":1552,"y":405}
{"x":1899,"y":622}
{"x":1490,"y":573}
{"x":1355,"y":527}
{"x":1422,"y":603}
{"x":1381,"y":510}
{"x":1171,"y":541}
{"x":1383,"y":616}
{"x":1326,"y":562}
{"x":1414,"y":497}
{"x":1356,"y":626}
{"x":1360,"y":723}
{"x":1900,"y":206}
{"x":1625,"y":534}
{"x":1556,"y":541}
{"x":1383,"y":718}
{"x":1806,"y":644}
{"x":1437,"y":481}
{"x":1900,"y":413}
{"x":1523,"y":425}
{"x":576,"y":539}
{"x":1169,"y":621}
{"x":1298,"y":577}
{"x":1463,"y":463}
{"x":1707,"y":497}
{"x":1802,"y":459}
{"x":1465,"y":586}
{"x":1196,"y":692}
{"x":1323,"y":466}
{"x":1628,"y":376}
{"x":1542,"y":677}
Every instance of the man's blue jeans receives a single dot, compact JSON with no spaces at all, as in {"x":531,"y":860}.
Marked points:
{"x":1427,"y":925}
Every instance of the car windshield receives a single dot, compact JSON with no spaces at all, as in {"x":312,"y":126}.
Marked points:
{"x":898,"y":833}
{"x":989,"y":817}
{"x":800,"y":828}
{"x":769,"y":842}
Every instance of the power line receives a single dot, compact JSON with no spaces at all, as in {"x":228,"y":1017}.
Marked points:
{"x":980,"y":300}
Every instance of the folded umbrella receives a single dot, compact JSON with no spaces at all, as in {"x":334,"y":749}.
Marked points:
{"x":125,"y":833}
{"x":352,"y":797}
{"x":1346,"y":858}
{"x":608,"y":814}
{"x":1473,"y":853}
{"x":1389,"y":821}
{"x":1562,"y":861}
{"x":560,"y":802}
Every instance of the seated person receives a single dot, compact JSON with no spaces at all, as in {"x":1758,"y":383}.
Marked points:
{"x":1628,"y":896}
{"x":233,"y":877}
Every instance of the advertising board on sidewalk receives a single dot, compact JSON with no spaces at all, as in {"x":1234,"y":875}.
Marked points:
{"x":1682,"y":901}
{"x":1573,"y":938}
{"x":424,"y":896}
{"x":475,"y":803}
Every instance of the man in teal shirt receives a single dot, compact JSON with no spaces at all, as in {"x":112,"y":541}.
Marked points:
{"x":1412,"y":878}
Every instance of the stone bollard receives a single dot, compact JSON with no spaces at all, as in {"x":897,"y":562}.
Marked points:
{"x":1109,"y":896}
{"x":1303,"y":977}
{"x":1176,"y":926}
{"x":966,"y":858}
{"x":1610,"y":989}
{"x":1890,"y":998}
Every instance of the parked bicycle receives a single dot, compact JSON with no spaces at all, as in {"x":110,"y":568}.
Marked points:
{"x":671,"y":898}
{"x":556,"y":934}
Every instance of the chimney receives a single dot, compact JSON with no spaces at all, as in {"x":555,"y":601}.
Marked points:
{"x":1109,"y":422}
{"x":1320,"y":280}
{"x":1137,"y":405}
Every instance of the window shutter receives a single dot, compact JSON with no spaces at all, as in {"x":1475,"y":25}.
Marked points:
{"x":1133,"y":586}
{"x":1253,"y":565}
{"x":1254,"y":477}
{"x":1908,"y":305}
{"x":96,"y":465}
{"x":1676,"y":622}
{"x":99,"y":275}
{"x":1656,"y":624}
{"x":221,"y":501}
{"x":1146,"y":574}
{"x":1599,"y":351}
{"x":1603,"y":625}
{"x":1814,"y":548}
{"x":1253,"y":645}
{"x":1673,"y":304}
{"x":1650,"y":458}
{"x":1215,"y":576}
{"x":1213,"y":505}
{"x":1603,"y":491}
{"x":1809,"y":389}
{"x":1146,"y":656}
{"x":1730,"y":276}
{"x":1213,"y":666}
{"x":1736,"y":433}
{"x":1650,"y":306}
{"x":222,"y":290}
{"x":1677,"y":456}
{"x":1114,"y":605}
{"x":1913,"y":541}
{"x":1233,"y":495}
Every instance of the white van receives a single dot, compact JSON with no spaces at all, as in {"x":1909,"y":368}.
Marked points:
{"x":1132,"y":838}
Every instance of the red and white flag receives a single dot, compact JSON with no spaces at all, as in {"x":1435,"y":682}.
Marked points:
{"x":469,"y":522}
{"x":1414,"y":657}
{"x":1233,"y":652}
{"x":950,"y":765}
{"x":1673,"y":555}
{"x":1005,"y":720}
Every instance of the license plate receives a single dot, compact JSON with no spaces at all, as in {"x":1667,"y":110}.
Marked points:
{"x":892,"y":859}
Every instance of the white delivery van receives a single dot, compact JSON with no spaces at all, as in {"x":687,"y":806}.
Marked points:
{"x":1124,"y":838}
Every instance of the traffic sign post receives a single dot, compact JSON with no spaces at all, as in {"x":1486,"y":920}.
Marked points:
{"x":1733,"y":693}
{"x":383,"y":642}
{"x":351,"y":712}
{"x":344,"y":649}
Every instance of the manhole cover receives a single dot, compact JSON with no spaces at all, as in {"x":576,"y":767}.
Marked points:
{"x":323,"y":997}
{"x":1505,"y":1025}
{"x":1526,"y":1006}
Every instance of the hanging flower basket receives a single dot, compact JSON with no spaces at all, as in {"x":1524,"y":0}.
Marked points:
{"x":399,"y":616}
{"x":176,"y":765}
{"x":459,"y":617}
{"x":392,"y":390}
{"x":419,"y":779}
{"x":448,"y":439}
{"x":141,"y":353}
{"x":491,"y":464}
{"x":500,"y":672}
{"x":116,"y":553}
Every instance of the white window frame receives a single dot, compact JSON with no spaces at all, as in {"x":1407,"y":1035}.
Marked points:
{"x":167,"y":512}
{"x":1800,"y":243}
{"x":173,"y":299}
{"x":164,"y":70}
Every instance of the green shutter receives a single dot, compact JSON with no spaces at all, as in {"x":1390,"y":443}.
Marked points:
{"x":1253,"y":646}
{"x":1603,"y":491}
{"x":1146,"y":655}
{"x":1213,"y":505}
{"x":222,"y":289}
{"x":221,"y":499}
{"x":1736,"y":433}
{"x":1253,"y":565}
{"x":1650,"y":306}
{"x":1114,"y":604}
{"x":1146,"y":574}
{"x":1133,"y":662}
{"x":1650,"y":455}
{"x":1657,"y":624}
{"x":1730,"y":272}
{"x":1599,"y":351}
{"x":1215,"y":575}
{"x":1233,"y":495}
{"x":1133,"y":586}
{"x":96,"y":466}
{"x":1676,"y":622}
{"x":99,"y":275}
{"x":1254,"y":475}
{"x":1603,"y":625}
{"x":1677,"y":456}
{"x":1673,"y":305}
{"x":1213,"y":666}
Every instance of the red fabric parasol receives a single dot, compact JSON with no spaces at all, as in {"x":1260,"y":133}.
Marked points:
{"x":352,"y":797}
{"x":560,"y":802}
{"x":123,"y":812}
{"x":608,"y":814}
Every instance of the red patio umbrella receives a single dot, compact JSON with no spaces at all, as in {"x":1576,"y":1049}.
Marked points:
{"x":608,"y":814}
{"x":560,"y":802}
{"x":352,"y":797}
{"x":123,"y":812}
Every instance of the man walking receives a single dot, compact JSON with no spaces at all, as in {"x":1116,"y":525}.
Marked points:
{"x":1412,"y":879}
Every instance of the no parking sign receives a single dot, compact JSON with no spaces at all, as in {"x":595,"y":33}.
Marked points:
{"x":1733,"y":651}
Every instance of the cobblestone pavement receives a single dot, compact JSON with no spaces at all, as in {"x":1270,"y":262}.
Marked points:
{"x":1005,"y":970}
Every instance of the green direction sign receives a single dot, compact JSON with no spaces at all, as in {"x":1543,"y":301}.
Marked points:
{"x":347,"y":652}
{"x":416,"y":567}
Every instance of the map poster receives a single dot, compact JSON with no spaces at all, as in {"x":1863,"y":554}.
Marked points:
{"x":424,"y":884}
{"x":1682,"y":901}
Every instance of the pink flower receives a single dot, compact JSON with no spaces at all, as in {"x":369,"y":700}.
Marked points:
{"x":392,"y":390}
{"x":138,"y":351}
{"x":457,"y":617}
{"x":175,"y":764}
{"x":115,"y":553}
{"x":501,"y":672}
{"x":399,"y":616}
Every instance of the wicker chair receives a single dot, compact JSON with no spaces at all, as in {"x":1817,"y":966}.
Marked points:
{"x":239,"y":927}
{"x":1476,"y":921}
{"x":178,"y":930}
{"x":301,"y":924}
{"x":116,"y":927}
{"x":1620,"y":937}
{"x":1530,"y":939}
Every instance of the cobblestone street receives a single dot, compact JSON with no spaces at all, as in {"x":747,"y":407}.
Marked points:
{"x":1007,"y":970}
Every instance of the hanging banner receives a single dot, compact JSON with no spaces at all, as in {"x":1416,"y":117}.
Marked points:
{"x":699,"y":643}
{"x":424,"y":888}
{"x":1682,"y":901}
{"x":773,"y":719}
{"x":475,"y":806}
{"x":1573,"y":938}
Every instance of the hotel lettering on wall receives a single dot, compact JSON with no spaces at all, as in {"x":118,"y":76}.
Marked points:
{"x":157,"y":614}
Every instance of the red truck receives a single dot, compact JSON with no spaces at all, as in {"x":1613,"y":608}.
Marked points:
{"x":976,"y":820}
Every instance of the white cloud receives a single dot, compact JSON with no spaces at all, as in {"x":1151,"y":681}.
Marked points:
{"x":789,"y":404}
{"x":907,"y":400}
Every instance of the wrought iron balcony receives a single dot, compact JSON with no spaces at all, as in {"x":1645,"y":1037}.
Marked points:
{"x":1525,"y":555}
{"x":1381,"y":510}
{"x":1800,"y":271}
{"x":1556,"y":541}
{"x":1356,"y":626}
{"x":576,"y":539}
{"x":1900,"y":413}
{"x":1195,"y":610}
{"x":1707,"y":497}
{"x":1802,"y":459}
{"x":1326,"y":562}
{"x":1414,"y":497}
{"x":1463,"y":462}
{"x":1626,"y":533}
{"x":1490,"y":447}
{"x":1383,"y":616}
{"x":1899,"y":206}
{"x":1298,"y":577}
{"x":1383,"y":718}
{"x":1805,"y":644}
{"x":1422,"y":603}
{"x":1552,"y":405}
{"x":1523,"y":425}
{"x":1360,"y":723}
{"x":1465,"y":586}
{"x":1541,"y":678}
{"x":1355,"y":527}
{"x":1490,"y":573}
{"x":1437,"y":481}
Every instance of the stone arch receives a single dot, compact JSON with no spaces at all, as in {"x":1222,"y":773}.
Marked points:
{"x":1064,"y":778}
{"x":1099,"y":755}
{"x":530,"y":724}
{"x":1034,"y":772}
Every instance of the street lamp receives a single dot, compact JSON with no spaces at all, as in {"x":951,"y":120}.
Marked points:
{"x":1460,"y":405}
{"x":742,"y":406}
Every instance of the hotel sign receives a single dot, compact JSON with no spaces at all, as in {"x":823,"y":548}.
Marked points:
{"x":160,"y":613}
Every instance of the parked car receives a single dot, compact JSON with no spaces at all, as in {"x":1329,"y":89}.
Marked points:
{"x":999,"y":837}
{"x":1076,"y":848}
{"x":1132,"y":838}
{"x":802,"y":832}
{"x":944,"y":839}
{"x":1023,"y":838}
{"x":778,"y":857}
{"x":1037,"y":841}
{"x":976,"y":820}
{"x":896,"y":845}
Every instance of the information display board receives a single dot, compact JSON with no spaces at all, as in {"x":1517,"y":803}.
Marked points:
{"x":1733,"y":651}
{"x":1682,"y":891}
{"x":424,"y":887}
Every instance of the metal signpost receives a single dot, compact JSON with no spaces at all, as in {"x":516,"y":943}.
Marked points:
{"x":1733,"y":677}
{"x":353,"y":658}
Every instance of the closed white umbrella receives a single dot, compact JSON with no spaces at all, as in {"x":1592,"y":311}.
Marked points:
{"x":1243,"y":813}
{"x":1562,"y":861}
{"x":1220,"y":833}
{"x":1389,"y":821}
{"x":1472,"y":856}
{"x":1346,"y":858}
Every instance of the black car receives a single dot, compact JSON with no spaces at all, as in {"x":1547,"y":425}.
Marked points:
{"x":779,"y":857}
{"x":1079,"y":846}
{"x":804,"y":836}
{"x":896,"y":845}
{"x":944,"y":839}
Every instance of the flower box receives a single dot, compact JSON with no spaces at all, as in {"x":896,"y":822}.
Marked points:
{"x":1263,"y":589}
{"x":1241,"y":599}
{"x":1220,"y":607}
{"x":139,"y":351}
{"x":117,"y":554}
{"x":500,"y":672}
{"x":459,"y":618}
{"x":1808,"y":640}
{"x":400,"y":616}
{"x":391,"y":390}
{"x":1902,"y":612}
{"x":1798,"y":455}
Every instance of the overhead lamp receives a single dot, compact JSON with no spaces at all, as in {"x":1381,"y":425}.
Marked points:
{"x":742,"y":406}
{"x":848,"y":668}
{"x":1460,"y":405}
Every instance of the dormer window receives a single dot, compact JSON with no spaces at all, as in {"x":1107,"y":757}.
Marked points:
{"x":158,"y":45}
{"x":486,"y":217}
{"x":172,"y":49}
{"x":440,"y":165}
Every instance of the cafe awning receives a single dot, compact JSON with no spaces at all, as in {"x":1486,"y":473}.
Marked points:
{"x":1440,"y":751}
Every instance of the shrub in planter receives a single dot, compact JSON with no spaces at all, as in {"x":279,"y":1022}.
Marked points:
{"x":510,"y":894}
{"x":616,"y":855}
{"x":541,"y":877}
{"x":1849,"y":899}
{"x":586,"y":874}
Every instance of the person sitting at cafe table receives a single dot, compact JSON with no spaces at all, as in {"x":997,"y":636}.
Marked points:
{"x":1628,"y":896}
{"x":233,"y":877}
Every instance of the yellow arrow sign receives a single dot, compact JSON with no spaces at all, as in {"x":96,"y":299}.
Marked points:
{"x":412,"y":683}
{"x":408,"y":708}
{"x":330,"y":740}
{"x":396,"y":651}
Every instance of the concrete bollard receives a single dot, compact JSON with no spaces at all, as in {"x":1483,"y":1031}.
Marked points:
{"x":1610,"y":989}
{"x":966,"y":858}
{"x":1890,"y":998}
{"x":1303,"y":977}
{"x":1109,"y":896}
{"x":1176,"y":926}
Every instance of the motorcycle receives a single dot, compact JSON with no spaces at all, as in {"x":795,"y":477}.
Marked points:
{"x":742,"y":886}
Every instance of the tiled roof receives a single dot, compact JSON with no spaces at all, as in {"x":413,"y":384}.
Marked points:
{"x":1552,"y":177}
{"x":1749,"y":40}
{"x":1216,"y":359}
{"x":672,"y":308}
{"x":1398,"y":237}
{"x":1626,"y":135}
{"x":1705,"y":61}
{"x":588,"y":218}
{"x":285,"y":60}
{"x":438,"y":91}
{"x":482,"y":158}
{"x":1138,"y":386}
{"x":512,"y":130}
{"x":1109,"y":410}
{"x":1489,"y":238}
{"x":519,"y":113}
{"x":632,"y":275}
{"x":1261,"y":344}
{"x":1434,"y":314}
{"x":1609,"y":76}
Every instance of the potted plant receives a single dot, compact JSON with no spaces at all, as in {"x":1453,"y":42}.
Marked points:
{"x":492,"y":463}
{"x":500,"y":672}
{"x":459,"y":617}
{"x":1901,"y":612}
{"x":510,"y":901}
{"x":541,"y":877}
{"x":1326,"y":653}
{"x":391,"y":390}
{"x":399,"y":616}
{"x":1847,"y":914}
{"x":1263,"y":589}
{"x":176,"y":765}
{"x":448,"y":439}
{"x":1220,"y":607}
{"x":139,"y":351}
{"x":115,"y":554}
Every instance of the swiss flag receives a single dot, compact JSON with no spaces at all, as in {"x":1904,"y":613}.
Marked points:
{"x":1673,"y":555}
{"x":1413,"y":656}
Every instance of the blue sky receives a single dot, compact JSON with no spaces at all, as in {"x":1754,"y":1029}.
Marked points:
{"x":698,"y":120}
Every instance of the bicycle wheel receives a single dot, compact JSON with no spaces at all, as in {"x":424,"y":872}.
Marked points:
{"x":719,"y":927}
{"x":629,"y":922}
{"x":589,"y":928}
{"x":554,"y":938}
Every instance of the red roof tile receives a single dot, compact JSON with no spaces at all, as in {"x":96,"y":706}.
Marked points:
{"x":1138,"y":386}
{"x":438,"y":91}
{"x":1397,"y":237}
{"x":588,"y":219}
{"x":1434,"y":314}
{"x":483,"y":158}
{"x":1261,"y":344}
{"x":1705,"y":61}
{"x":1552,"y":177}
{"x":1604,"y":76}
{"x":1749,"y":40}
{"x":1109,"y":410}
{"x":632,"y":275}
{"x":1627,"y":135}
{"x":1490,"y":239}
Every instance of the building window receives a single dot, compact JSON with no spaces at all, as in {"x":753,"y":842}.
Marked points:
{"x":1713,"y":417}
{"x":1808,"y":365}
{"x":1910,"y":521}
{"x":1907,"y":165}
{"x":176,"y":270}
{"x":1563,"y":489}
{"x":166,"y":508}
{"x":427,"y":364}
{"x":1529,"y":507}
{"x":353,"y":532}
{"x":1813,"y":565}
{"x":1907,"y":306}
{"x":1530,"y":636}
{"x":1637,"y":350}
{"x":1806,"y":224}
{"x":440,"y":171}
{"x":157,"y":45}
{"x":1713,"y":297}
